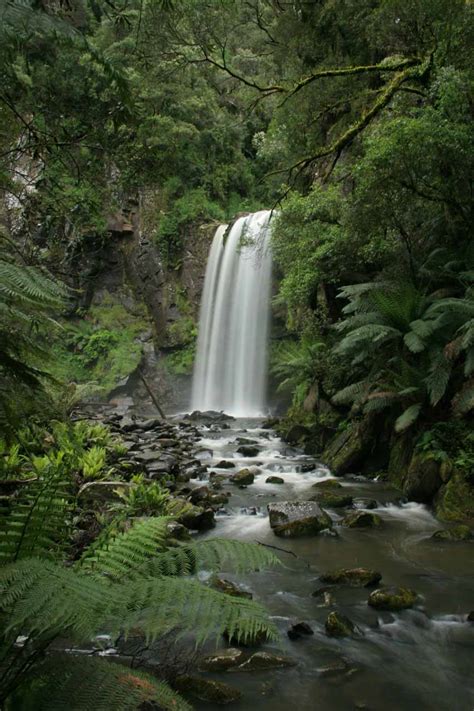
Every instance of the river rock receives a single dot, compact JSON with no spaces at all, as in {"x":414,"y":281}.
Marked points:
{"x":242,"y":478}
{"x":452,"y":535}
{"x":333,"y":501}
{"x":470,"y":617}
{"x":338,"y":625}
{"x":361,"y":519}
{"x":392,"y":599}
{"x":296,"y":434}
{"x":423,"y":479}
{"x":369,"y":504}
{"x":328,"y":484}
{"x":299,"y":629}
{"x":274,"y":480}
{"x":229,"y":588}
{"x":198,"y":519}
{"x":225,"y":464}
{"x":270,"y":423}
{"x":223,"y":660}
{"x":292,"y":519}
{"x":178,"y":531}
{"x":260,"y":661}
{"x":309,"y":467}
{"x":355,"y":577}
{"x":214,"y":692}
{"x":248,"y":450}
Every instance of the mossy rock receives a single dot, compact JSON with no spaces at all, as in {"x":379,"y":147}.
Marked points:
{"x":346,"y":451}
{"x":223,"y":660}
{"x":261,"y":661}
{"x":230,"y":588}
{"x":338,"y":625}
{"x":423,"y":479}
{"x":293,"y":519}
{"x":457,"y":533}
{"x":392,"y":599}
{"x":455,"y":500}
{"x":274,"y":480}
{"x":243,"y":478}
{"x":355,"y":577}
{"x":362,"y":519}
{"x":214,"y":692}
{"x":333,"y":501}
{"x":328,"y":484}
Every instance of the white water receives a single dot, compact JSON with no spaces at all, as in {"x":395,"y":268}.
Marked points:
{"x":231,"y":364}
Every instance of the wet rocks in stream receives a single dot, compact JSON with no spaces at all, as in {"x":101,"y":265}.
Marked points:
{"x":230,"y":588}
{"x":354,"y":577}
{"x":454,"y":534}
{"x":214,"y":692}
{"x":243,"y":478}
{"x":274,"y":480}
{"x":248,"y":450}
{"x":361,"y":519}
{"x":299,"y":630}
{"x":338,"y":625}
{"x":237,"y":660}
{"x":333,"y":501}
{"x":392,"y":599}
{"x":292,"y":519}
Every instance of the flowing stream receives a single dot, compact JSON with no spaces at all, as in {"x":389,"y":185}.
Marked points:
{"x":420,"y":659}
{"x":231,"y":362}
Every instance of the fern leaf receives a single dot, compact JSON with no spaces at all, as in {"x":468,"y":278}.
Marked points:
{"x":408,"y":417}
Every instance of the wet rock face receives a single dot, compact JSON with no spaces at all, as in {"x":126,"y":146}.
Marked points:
{"x":299,"y":630}
{"x":243,"y":478}
{"x":230,"y":588}
{"x":423,"y":480}
{"x":362,"y":519}
{"x":274,"y":480}
{"x":392,"y":599}
{"x":355,"y":577}
{"x":292,"y":519}
{"x":329,"y":484}
{"x":338,"y":625}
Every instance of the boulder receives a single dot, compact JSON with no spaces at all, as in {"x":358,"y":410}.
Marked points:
{"x":248,"y":450}
{"x":292,"y":519}
{"x":178,"y":531}
{"x":299,"y":629}
{"x":198,"y":519}
{"x":355,"y":577}
{"x":361,"y":519}
{"x":392,"y":599}
{"x":455,"y":500}
{"x":224,"y":464}
{"x":213,"y":692}
{"x":261,"y":661}
{"x":333,"y":501}
{"x":328,"y":484}
{"x":229,"y":588}
{"x":470,"y":616}
{"x":423,"y":479}
{"x":369,"y":504}
{"x":346,"y":451}
{"x":270,"y":423}
{"x":274,"y":480}
{"x":242,"y":478}
{"x":452,"y":535}
{"x":296,"y":434}
{"x":338,"y":625}
{"x":309,"y":467}
{"x":223,"y":660}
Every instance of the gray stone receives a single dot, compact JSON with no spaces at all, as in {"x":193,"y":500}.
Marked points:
{"x":297,"y":518}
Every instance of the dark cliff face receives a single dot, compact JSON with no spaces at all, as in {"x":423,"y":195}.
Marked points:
{"x":125,"y":268}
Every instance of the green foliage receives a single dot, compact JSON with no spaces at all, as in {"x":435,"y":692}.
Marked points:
{"x":296,"y":365}
{"x":146,"y":498}
{"x":92,"y":463}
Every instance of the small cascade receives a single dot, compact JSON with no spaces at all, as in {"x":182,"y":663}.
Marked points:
{"x":231,"y":365}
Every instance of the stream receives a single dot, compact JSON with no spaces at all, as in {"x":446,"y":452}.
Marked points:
{"x":417,"y":659}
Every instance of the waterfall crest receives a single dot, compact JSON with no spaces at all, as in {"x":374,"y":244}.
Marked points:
{"x":230,"y":373}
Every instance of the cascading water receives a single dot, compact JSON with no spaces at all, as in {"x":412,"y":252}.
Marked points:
{"x":231,"y":365}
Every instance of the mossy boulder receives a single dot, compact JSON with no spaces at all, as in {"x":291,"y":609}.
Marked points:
{"x":230,"y":588}
{"x":248,"y":450}
{"x":422,"y":480}
{"x":197,"y":518}
{"x":223,"y":660}
{"x":333,"y":501}
{"x":243,"y":478}
{"x":330,"y":484}
{"x":457,"y":533}
{"x":455,"y":499}
{"x":292,"y":519}
{"x":392,"y":599}
{"x":338,"y":625}
{"x":346,"y":451}
{"x":355,"y":577}
{"x":261,"y":661}
{"x":362,"y":519}
{"x":214,"y":692}
{"x":274,"y":480}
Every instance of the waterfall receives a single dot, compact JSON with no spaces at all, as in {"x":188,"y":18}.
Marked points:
{"x":230,"y":373}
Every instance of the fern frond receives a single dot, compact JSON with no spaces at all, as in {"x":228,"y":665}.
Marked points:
{"x":408,"y":417}
{"x":438,"y":378}
{"x":125,"y":553}
{"x":351,"y":393}
{"x":77,"y":683}
{"x":463,"y":402}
